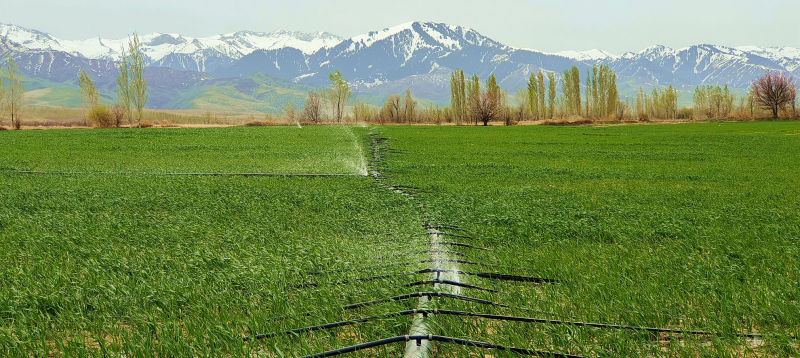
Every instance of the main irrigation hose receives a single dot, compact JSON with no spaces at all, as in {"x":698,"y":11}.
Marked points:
{"x":443,"y":339}
{"x":498,"y":318}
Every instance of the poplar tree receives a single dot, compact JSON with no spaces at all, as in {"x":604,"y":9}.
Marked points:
{"x":595,"y":96}
{"x":602,"y":88}
{"x":2,"y":96}
{"x":89,"y":94}
{"x":613,"y":95}
{"x":588,"y":91}
{"x":339,"y":94}
{"x":409,"y":104}
{"x":13,"y":99}
{"x":123,"y":88}
{"x":474,"y":96}
{"x":566,"y":87}
{"x":533,"y":96}
{"x":462,"y":96}
{"x":551,"y":93}
{"x":576,"y":86}
{"x":138,"y":84}
{"x":458,"y":95}
{"x":542,"y":108}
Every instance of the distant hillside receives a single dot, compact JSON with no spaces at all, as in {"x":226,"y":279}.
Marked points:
{"x":263,"y":71}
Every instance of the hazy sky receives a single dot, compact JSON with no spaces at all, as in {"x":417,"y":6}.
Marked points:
{"x":614,"y":26}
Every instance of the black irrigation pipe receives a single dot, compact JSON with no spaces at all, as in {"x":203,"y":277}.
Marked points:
{"x":452,"y":235}
{"x":32,"y":172}
{"x":377,"y":267}
{"x":429,"y":295}
{"x":443,"y":339}
{"x":584,"y":324}
{"x":406,"y":297}
{"x":445,"y":227}
{"x":423,"y":252}
{"x":486,"y":275}
{"x":426,"y":312}
{"x":449,"y":282}
{"x":456,"y":244}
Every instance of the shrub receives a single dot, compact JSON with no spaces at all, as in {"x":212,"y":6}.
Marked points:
{"x":258,"y":123}
{"x":685,"y":113}
{"x":100,"y":116}
{"x":145,"y":124}
{"x":119,"y":114}
{"x":3,"y":128}
{"x":565,"y":122}
{"x":164,"y":123}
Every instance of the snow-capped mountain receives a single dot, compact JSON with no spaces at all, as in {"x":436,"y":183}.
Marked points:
{"x":587,"y":56}
{"x":415,"y":55}
{"x":421,"y":51}
{"x":174,"y":50}
{"x":699,"y":64}
{"x":789,"y":57}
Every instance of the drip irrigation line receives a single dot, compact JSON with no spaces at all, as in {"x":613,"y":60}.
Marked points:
{"x":454,"y":235}
{"x":285,"y":175}
{"x":449,"y":282}
{"x":376,"y":267}
{"x":429,"y":295}
{"x":445,"y":227}
{"x":587,"y":324}
{"x":423,"y":252}
{"x":486,"y":275}
{"x":457,"y":244}
{"x":502,"y":277}
{"x":426,"y":312}
{"x":443,"y":339}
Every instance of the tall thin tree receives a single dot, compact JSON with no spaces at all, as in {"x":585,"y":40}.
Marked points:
{"x":123,"y":89}
{"x":138,"y":84}
{"x":551,"y":94}
{"x":533,"y":96}
{"x":542,"y":108}
{"x":14,"y":97}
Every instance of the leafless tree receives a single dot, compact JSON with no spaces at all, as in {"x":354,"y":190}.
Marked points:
{"x":391,"y":108}
{"x":774,"y":91}
{"x":119,"y":114}
{"x":485,"y":108}
{"x":313,"y":107}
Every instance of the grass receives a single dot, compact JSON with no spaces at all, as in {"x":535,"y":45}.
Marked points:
{"x":146,"y":265}
{"x":690,"y":226}
{"x":682,"y":226}
{"x":314,"y":150}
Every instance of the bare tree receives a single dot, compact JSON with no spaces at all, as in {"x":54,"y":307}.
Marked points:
{"x":523,"y":99}
{"x":391,"y":108}
{"x":485,"y":108}
{"x":289,"y":111}
{"x":774,"y":91}
{"x":14,"y":96}
{"x":313,"y":107}
{"x":119,"y":114}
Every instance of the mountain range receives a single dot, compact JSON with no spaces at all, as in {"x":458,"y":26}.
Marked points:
{"x":262,"y":71}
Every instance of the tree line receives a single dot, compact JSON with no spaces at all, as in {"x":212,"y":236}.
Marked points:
{"x":471,"y":101}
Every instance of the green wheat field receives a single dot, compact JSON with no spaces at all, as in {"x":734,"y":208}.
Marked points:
{"x":121,"y":243}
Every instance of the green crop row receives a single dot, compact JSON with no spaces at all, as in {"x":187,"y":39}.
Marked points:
{"x":680,"y":226}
